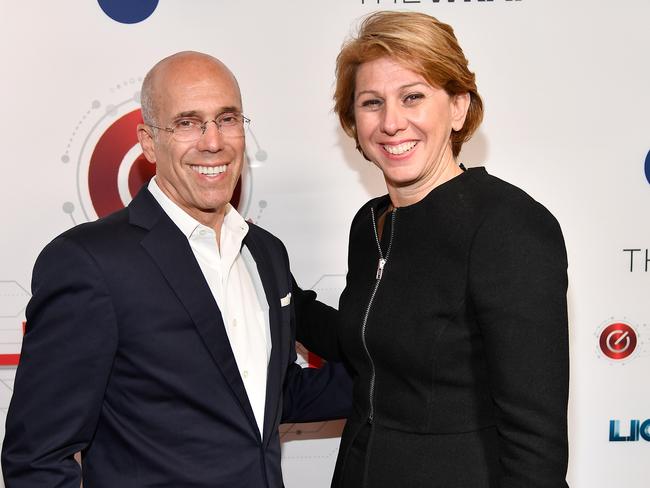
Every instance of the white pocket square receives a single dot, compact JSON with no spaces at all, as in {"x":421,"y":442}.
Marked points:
{"x":286,"y":300}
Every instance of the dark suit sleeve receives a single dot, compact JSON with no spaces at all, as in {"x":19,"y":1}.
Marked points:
{"x":518,"y":285}
{"x":316,"y":323}
{"x":313,"y":394}
{"x":316,"y":394}
{"x":65,"y":362}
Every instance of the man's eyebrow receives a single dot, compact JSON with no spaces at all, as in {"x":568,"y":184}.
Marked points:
{"x":189,"y":113}
{"x":229,"y":109}
{"x":196,"y":113}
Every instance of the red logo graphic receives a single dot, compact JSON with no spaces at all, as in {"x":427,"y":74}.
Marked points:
{"x":618,"y":341}
{"x":11,"y":359}
{"x":107,"y":158}
{"x":105,"y":163}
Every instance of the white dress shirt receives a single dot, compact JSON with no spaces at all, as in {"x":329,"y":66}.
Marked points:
{"x":231,"y":274}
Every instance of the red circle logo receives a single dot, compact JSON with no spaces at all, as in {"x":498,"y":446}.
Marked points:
{"x":105,"y":162}
{"x":618,"y":341}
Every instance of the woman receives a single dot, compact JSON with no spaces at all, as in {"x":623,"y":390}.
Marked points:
{"x":453,"y":320}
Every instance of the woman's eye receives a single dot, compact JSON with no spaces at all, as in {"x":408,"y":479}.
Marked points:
{"x":413,"y":97}
{"x":371,"y":103}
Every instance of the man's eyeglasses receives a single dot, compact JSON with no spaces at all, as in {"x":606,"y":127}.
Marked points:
{"x":189,"y":129}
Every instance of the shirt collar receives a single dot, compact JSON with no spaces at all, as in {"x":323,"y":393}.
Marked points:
{"x":233,"y":223}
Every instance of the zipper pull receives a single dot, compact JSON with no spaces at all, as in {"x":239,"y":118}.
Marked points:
{"x":380,"y":268}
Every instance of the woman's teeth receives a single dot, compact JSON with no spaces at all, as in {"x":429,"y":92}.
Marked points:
{"x":400,"y":148}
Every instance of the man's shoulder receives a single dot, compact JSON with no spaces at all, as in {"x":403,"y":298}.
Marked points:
{"x":98,"y":243}
{"x":105,"y":238}
{"x":143,"y":212}
{"x":264,"y":236}
{"x":109,"y":226}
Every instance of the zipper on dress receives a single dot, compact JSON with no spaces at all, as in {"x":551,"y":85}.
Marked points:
{"x":378,"y":275}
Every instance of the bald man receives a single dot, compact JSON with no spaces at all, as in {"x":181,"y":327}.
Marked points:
{"x":160,"y":339}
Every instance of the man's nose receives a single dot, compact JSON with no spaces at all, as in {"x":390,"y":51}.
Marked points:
{"x":212,"y":138}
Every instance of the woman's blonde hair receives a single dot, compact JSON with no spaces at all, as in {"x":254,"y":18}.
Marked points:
{"x":419,"y":42}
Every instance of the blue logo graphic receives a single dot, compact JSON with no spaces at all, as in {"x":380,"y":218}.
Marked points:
{"x":128,"y":12}
{"x":647,"y":167}
{"x":637,"y":430}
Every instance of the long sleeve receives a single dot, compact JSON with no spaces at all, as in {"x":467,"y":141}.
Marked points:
{"x":316,"y":324}
{"x":314,"y":394}
{"x":518,"y":285}
{"x":66,"y":358}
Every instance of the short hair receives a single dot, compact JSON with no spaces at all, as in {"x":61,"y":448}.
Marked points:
{"x":146,"y":99}
{"x":419,"y":42}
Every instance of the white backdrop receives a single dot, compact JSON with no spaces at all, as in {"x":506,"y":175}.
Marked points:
{"x":565,"y":86}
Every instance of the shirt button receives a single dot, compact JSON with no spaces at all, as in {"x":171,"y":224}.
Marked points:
{"x":245,"y":373}
{"x":234,"y":322}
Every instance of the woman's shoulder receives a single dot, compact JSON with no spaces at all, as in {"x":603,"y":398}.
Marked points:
{"x":492,"y":188}
{"x":504,"y":208}
{"x":492,"y":194}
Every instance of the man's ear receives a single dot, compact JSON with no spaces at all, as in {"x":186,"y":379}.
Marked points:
{"x":145,"y":136}
{"x":459,"y":108}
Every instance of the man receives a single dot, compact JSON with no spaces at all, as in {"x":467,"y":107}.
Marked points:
{"x":160,"y":339}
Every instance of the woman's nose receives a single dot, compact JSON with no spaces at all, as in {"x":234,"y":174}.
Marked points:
{"x":394,"y":119}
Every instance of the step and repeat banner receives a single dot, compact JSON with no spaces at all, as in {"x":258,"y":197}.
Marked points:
{"x":565,"y":86}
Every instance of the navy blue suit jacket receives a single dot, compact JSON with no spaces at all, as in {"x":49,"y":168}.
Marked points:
{"x":126,"y":359}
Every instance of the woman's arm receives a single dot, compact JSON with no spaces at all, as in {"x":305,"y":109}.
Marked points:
{"x":518,"y":285}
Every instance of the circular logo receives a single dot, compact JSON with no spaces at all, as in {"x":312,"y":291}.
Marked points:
{"x":647,"y":167}
{"x":128,"y":12}
{"x":117,"y":166}
{"x":618,"y":341}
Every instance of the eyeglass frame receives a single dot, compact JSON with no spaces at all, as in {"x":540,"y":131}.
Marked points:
{"x":204,"y":125}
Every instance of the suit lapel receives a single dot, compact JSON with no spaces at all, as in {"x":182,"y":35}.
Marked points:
{"x":169,"y":248}
{"x":269,"y":279}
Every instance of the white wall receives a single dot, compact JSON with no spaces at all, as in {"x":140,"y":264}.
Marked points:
{"x":565,"y":86}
